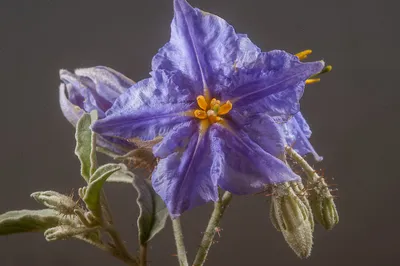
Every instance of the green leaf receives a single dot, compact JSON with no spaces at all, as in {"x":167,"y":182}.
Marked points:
{"x":21,"y":221}
{"x":86,"y":144}
{"x":96,"y":182}
{"x":121,"y":177}
{"x":153,"y":212}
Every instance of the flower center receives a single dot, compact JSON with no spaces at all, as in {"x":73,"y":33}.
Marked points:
{"x":211,"y":110}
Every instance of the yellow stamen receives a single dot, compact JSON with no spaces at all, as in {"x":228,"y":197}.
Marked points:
{"x":210,"y":110}
{"x":326,"y":69}
{"x":214,"y":102}
{"x":225,"y":108}
{"x":303,"y":55}
{"x":214,"y":119}
{"x":200,"y":114}
{"x":201,"y":101}
{"x":311,"y":81}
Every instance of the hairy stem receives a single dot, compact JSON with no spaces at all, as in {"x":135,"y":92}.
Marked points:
{"x":310,"y":172}
{"x":206,"y":242}
{"x":143,"y":254}
{"x":93,"y":243}
{"x":114,"y":252}
{"x":120,"y":251}
{"x":180,"y":245}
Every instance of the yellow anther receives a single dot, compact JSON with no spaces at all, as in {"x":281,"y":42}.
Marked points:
{"x":326,"y":69}
{"x":201,"y":101}
{"x":214,"y":102}
{"x":212,"y":111}
{"x":214,"y":119}
{"x":225,"y":108}
{"x":311,"y":81}
{"x":200,"y":114}
{"x":303,"y":55}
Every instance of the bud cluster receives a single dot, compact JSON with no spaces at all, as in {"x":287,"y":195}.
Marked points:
{"x":294,"y":208}
{"x":75,"y":221}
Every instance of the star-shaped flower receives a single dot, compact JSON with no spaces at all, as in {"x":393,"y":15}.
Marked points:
{"x":214,"y":97}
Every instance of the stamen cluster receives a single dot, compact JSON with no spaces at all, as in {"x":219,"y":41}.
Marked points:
{"x":211,"y":109}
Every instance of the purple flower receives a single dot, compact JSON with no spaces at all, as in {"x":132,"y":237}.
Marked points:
{"x":297,"y":133}
{"x":91,"y":89}
{"x":213,"y":97}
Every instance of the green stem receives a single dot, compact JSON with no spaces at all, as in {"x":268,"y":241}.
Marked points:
{"x":180,"y":245}
{"x":120,"y":249}
{"x":206,"y":242}
{"x":310,"y":172}
{"x":114,"y":252}
{"x":143,"y":254}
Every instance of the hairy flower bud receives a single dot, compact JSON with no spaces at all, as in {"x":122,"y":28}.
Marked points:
{"x":291,"y":216}
{"x":321,"y":200}
{"x":62,"y":232}
{"x":63,"y":204}
{"x":302,"y":193}
{"x":323,"y":205}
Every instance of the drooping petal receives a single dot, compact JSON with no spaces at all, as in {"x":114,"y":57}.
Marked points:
{"x":242,"y":166}
{"x":143,"y":112}
{"x":82,"y":95}
{"x":107,"y":83}
{"x":71,"y":112}
{"x":89,"y":89}
{"x":297,"y":133}
{"x":201,"y":45}
{"x":183,"y":178}
{"x":94,"y":88}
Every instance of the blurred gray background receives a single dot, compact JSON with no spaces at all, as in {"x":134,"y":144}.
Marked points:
{"x":353,"y":113}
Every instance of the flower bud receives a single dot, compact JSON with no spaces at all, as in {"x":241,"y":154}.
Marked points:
{"x":292,"y":217}
{"x":323,"y":205}
{"x":302,"y":193}
{"x":321,"y":200}
{"x":62,"y":232}
{"x":63,"y":204}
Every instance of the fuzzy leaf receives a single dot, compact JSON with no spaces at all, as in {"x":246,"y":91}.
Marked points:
{"x":96,"y":181}
{"x":86,"y":144}
{"x":153,"y":212}
{"x":22,"y":221}
{"x":121,"y":177}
